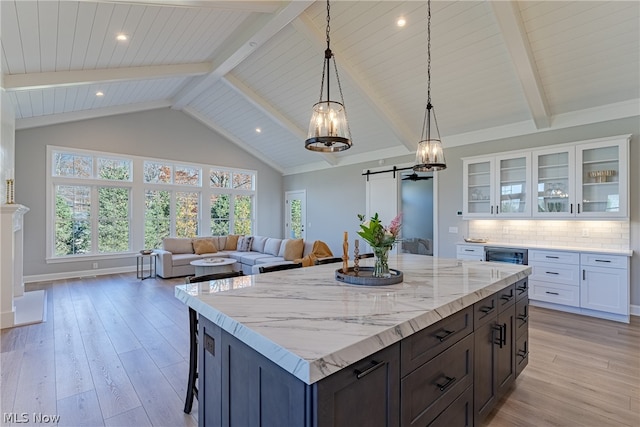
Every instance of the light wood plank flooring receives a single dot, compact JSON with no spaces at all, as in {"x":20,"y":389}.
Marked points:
{"x":114,"y":352}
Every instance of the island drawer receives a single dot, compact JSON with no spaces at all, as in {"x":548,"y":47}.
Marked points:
{"x":424,"y":345}
{"x":485,"y":310}
{"x":431,"y":388}
{"x":522,"y":353}
{"x":522,"y":317}
{"x":522,"y":288}
{"x":506,"y":297}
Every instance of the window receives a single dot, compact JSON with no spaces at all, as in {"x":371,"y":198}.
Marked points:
{"x":105,"y":205}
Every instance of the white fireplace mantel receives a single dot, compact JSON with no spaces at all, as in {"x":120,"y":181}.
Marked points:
{"x":11,"y":259}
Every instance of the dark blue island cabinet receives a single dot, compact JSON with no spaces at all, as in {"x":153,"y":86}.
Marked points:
{"x":426,"y":379}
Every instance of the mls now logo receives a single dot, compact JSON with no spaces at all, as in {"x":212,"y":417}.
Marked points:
{"x":23,"y":417}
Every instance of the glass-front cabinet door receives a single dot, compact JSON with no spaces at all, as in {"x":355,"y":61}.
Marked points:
{"x":513,"y":185}
{"x":602,"y":179}
{"x":553,"y":178}
{"x":477,"y":189}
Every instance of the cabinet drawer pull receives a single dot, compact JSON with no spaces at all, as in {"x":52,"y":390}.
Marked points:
{"x":524,"y":318}
{"x":506,"y":297}
{"x":552,"y":293}
{"x":447,"y":335}
{"x":487,"y":310}
{"x":571,"y":207}
{"x":603,"y":260}
{"x":552,"y":272}
{"x":584,"y":274}
{"x":443,"y":387}
{"x":469,"y":250}
{"x":523,"y":353}
{"x":374,"y":365}
{"x":552,"y":257}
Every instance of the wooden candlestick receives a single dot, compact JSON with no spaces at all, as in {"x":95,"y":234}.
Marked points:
{"x":345,"y":253}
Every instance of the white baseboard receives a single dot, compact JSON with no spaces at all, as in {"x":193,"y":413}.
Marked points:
{"x":634,"y":310}
{"x":75,"y":274}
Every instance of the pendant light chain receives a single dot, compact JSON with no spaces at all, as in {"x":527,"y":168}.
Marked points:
{"x":328,"y":24}
{"x":428,"y":52}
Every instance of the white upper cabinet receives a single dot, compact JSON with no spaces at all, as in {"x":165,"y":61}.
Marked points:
{"x":581,"y":180}
{"x":603,"y":179}
{"x":554,"y":181}
{"x":497,"y":186}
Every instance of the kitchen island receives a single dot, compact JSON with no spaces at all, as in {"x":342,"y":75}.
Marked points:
{"x":299,"y":348}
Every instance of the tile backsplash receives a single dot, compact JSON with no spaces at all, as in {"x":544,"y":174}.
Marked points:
{"x":586,"y":234}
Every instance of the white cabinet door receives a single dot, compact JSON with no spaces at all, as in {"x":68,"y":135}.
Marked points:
{"x":478,"y":188}
{"x":497,"y":186}
{"x":513,"y":185}
{"x":602,"y":179}
{"x":605,"y":289}
{"x":554,"y":183}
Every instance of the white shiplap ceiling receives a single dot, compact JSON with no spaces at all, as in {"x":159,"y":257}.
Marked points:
{"x":499,"y":69}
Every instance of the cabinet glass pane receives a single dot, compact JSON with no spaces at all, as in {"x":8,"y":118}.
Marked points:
{"x":600,"y":180}
{"x":553,"y":182}
{"x":479,"y":187}
{"x":513,"y":185}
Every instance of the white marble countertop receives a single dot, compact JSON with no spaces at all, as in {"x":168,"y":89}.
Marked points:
{"x":624,"y":252}
{"x":312,"y":325}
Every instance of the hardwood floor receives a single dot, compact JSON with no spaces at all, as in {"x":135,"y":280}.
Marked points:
{"x":114,"y":352}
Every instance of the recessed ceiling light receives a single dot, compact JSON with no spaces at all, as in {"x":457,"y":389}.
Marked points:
{"x":258,"y":130}
{"x":99,"y":93}
{"x":122,"y":37}
{"x":401,"y":22}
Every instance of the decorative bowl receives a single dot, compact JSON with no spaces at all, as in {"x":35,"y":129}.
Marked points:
{"x":473,"y":240}
{"x":146,"y":251}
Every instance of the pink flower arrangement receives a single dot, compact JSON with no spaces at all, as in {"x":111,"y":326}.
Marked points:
{"x":376,"y":234}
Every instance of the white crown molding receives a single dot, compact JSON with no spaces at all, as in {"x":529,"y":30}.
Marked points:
{"x":605,"y":113}
{"x":54,"y":119}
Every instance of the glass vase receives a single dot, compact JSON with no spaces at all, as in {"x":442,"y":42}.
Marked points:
{"x":381,"y":265}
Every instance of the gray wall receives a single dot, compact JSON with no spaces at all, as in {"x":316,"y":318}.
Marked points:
{"x":163,"y":133}
{"x":334,"y":196}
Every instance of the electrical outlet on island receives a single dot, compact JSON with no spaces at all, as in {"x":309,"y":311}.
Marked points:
{"x":585,"y":232}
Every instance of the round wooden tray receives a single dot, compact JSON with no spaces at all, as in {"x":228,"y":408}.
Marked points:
{"x":365,"y":278}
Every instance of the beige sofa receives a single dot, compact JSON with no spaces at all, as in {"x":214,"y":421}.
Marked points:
{"x":177,"y":253}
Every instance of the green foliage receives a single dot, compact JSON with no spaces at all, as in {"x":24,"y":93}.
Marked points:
{"x":220,"y":213}
{"x":296,"y":219}
{"x":113,"y":219}
{"x":157,"y":218}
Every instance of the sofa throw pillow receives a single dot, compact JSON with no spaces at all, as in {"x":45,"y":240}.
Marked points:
{"x":293,"y":249}
{"x":232,"y":242}
{"x":204,"y":245}
{"x":244,"y":244}
{"x":258,"y":243}
{"x":177,"y":245}
{"x":272,"y":247}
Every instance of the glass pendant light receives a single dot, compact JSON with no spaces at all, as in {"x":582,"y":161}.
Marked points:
{"x":328,"y":129}
{"x":429,"y":156}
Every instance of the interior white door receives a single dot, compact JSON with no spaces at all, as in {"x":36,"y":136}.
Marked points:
{"x":382,"y":197}
{"x":296,"y":214}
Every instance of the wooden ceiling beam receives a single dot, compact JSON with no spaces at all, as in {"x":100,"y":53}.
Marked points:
{"x":240,"y":47}
{"x":30,"y":81}
{"x":515,"y":37}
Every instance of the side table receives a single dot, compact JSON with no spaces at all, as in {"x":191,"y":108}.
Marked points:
{"x":140,"y":270}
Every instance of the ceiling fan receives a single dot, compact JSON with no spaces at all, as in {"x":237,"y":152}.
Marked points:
{"x":415,"y":177}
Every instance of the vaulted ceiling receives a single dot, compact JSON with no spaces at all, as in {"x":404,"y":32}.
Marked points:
{"x":499,"y":68}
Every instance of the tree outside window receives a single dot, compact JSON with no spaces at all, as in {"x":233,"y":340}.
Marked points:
{"x":72,"y":220}
{"x":220,"y":214}
{"x":242,"y":222}
{"x":157,"y":218}
{"x":187,"y":213}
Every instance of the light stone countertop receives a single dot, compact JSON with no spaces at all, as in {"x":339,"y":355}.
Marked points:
{"x":312,"y":325}
{"x":623,"y":252}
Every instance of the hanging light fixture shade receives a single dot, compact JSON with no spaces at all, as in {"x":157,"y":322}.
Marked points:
{"x":328,"y":128}
{"x":430,"y":155}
